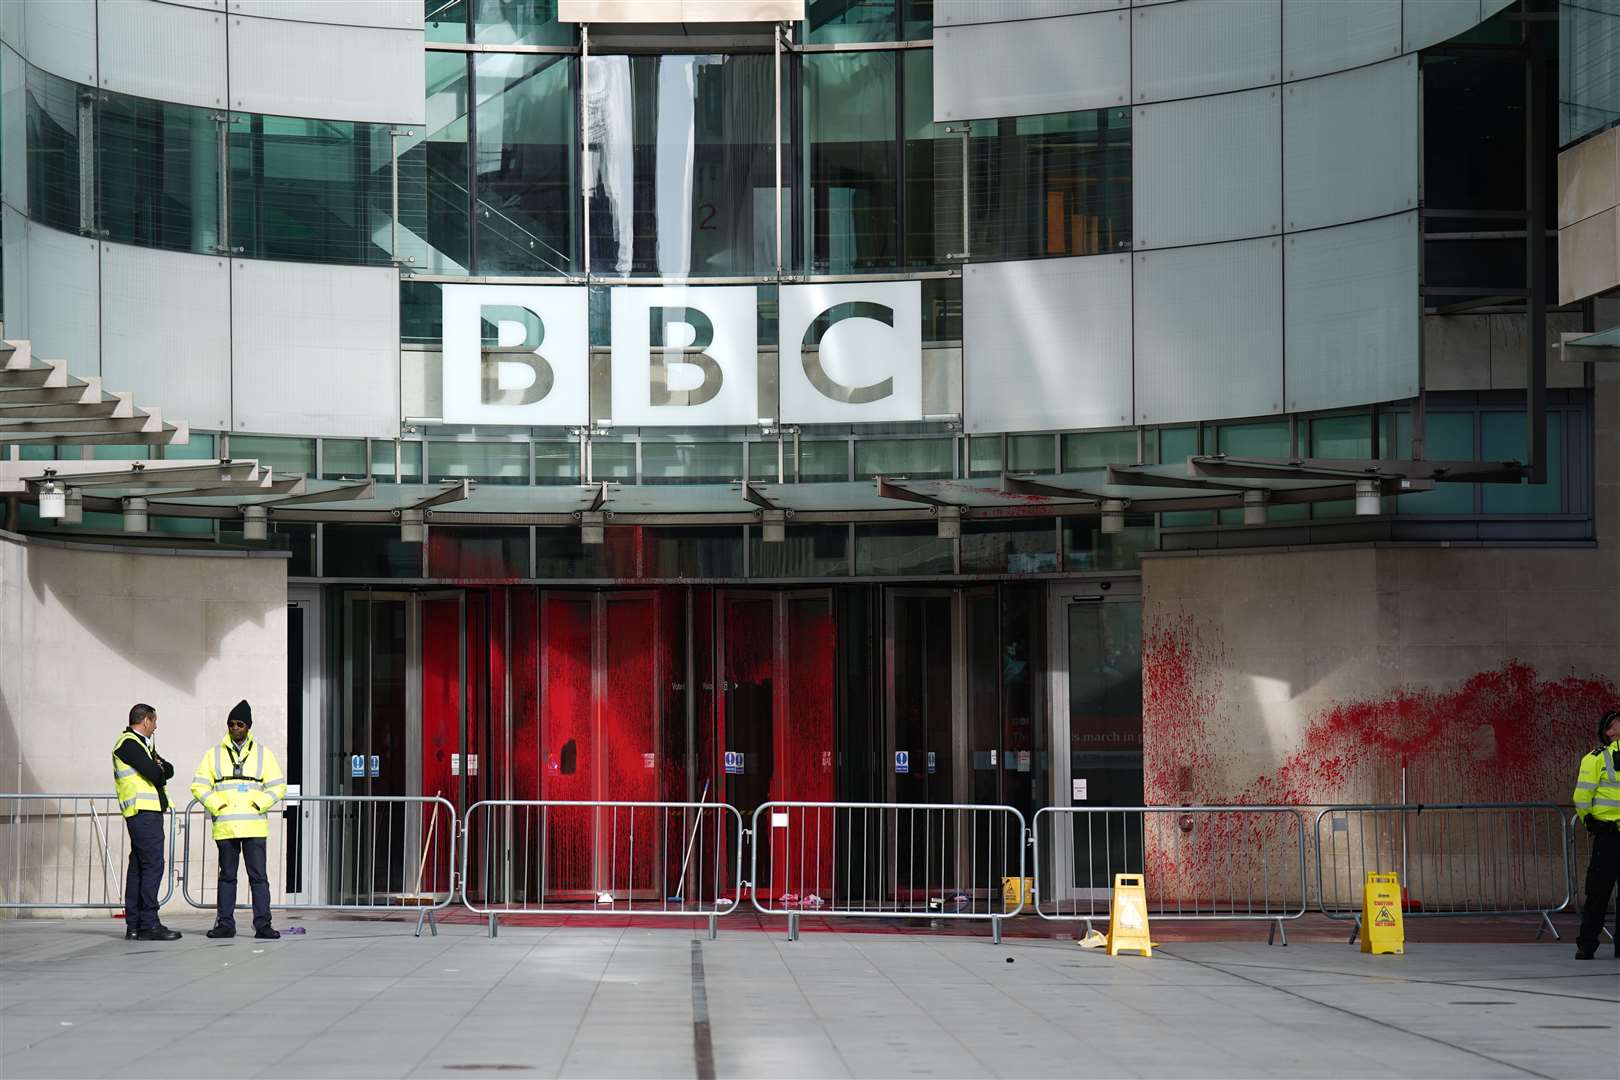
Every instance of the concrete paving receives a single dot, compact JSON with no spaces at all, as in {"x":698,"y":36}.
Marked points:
{"x":366,"y":999}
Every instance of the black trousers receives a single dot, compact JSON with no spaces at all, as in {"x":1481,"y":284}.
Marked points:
{"x":252,"y":851}
{"x":145,"y":872}
{"x":1602,"y":873}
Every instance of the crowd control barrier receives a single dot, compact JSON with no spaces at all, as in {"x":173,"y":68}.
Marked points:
{"x":1197,"y":862}
{"x":68,"y":852}
{"x":601,"y":858}
{"x":357,"y":853}
{"x":1580,"y":856}
{"x":1454,"y":859}
{"x":888,"y":860}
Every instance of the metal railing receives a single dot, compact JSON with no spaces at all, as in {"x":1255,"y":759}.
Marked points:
{"x":68,"y":852}
{"x":1454,"y":859}
{"x":887,"y":860}
{"x":1198,"y":862}
{"x":601,"y":858}
{"x":1580,"y":855}
{"x":361,"y":853}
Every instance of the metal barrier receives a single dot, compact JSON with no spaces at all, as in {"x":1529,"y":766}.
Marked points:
{"x":1454,"y":859}
{"x":362,"y":853}
{"x":601,"y":858}
{"x":68,"y":852}
{"x":1580,"y":855}
{"x":1197,"y":862}
{"x":887,"y":860}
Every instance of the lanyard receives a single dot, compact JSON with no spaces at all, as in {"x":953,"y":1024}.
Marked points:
{"x":238,"y":762}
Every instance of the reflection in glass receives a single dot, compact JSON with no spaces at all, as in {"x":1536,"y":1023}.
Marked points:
{"x":933,"y":170}
{"x":901,"y":549}
{"x":806,"y":551}
{"x":680,"y":175}
{"x":916,"y":459}
{"x":833,"y":21}
{"x":433,"y":196}
{"x":1105,"y":728}
{"x":157,"y":167}
{"x":1099,"y":449}
{"x":690,"y":463}
{"x":849,"y":102}
{"x":1447,"y":436}
{"x":1087,"y":547}
{"x":488,"y":463}
{"x":53,"y":150}
{"x":519,"y":22}
{"x":1503,"y":437}
{"x":525,"y":163}
{"x":445,"y":20}
{"x":1009,"y":547}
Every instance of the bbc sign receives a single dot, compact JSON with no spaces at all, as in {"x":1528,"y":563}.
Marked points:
{"x":683,"y":356}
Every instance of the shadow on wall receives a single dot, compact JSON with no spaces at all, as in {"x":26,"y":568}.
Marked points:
{"x":1510,"y":734}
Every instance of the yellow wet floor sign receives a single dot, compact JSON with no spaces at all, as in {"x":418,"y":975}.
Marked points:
{"x":1382,"y":930}
{"x":1127,"y":916}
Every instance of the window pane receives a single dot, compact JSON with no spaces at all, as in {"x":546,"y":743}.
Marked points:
{"x":1448,"y":436}
{"x":918,"y":17}
{"x":157,"y":166}
{"x":691,"y":463}
{"x":1087,"y":547}
{"x":918,"y":459}
{"x":310,"y":189}
{"x":1019,"y":547}
{"x":933,"y":169}
{"x":1341,"y":437}
{"x":382,"y":461}
{"x":369,"y":551}
{"x":1099,"y":449}
{"x":345,"y":458}
{"x":825,"y":461}
{"x":613,"y":461}
{"x":1176,"y":445}
{"x":762,"y":461}
{"x":1502,"y":438}
{"x":807,"y":551}
{"x":901,"y":549}
{"x":282,"y":455}
{"x":693,"y":552}
{"x":462,"y":552}
{"x":849,"y":101}
{"x":433,"y":200}
{"x":519,"y":22}
{"x":556,"y":463}
{"x":445,"y":20}
{"x":1269,"y":440}
{"x":1031,"y":453}
{"x":198,"y":448}
{"x":489,"y":463}
{"x":561,"y":554}
{"x":1058,"y":184}
{"x":984,"y":455}
{"x":53,"y":150}
{"x":526,"y":110}
{"x":832,"y":21}
{"x":682,"y":174}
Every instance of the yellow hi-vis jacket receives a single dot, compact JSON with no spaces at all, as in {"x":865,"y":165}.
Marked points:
{"x":135,"y":792}
{"x":1597,"y":792}
{"x":238,"y":785}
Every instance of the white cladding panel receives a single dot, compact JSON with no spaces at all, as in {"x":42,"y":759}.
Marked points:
{"x":544,"y":381}
{"x":60,"y":36}
{"x":1352,"y":317}
{"x":13,"y":129}
{"x":162,"y":51}
{"x":1429,"y":22}
{"x":1046,"y":344}
{"x":64,"y":316}
{"x":166,"y":332}
{"x":1207,"y":169}
{"x":1204,"y":47}
{"x":1209,"y":332}
{"x":327,"y":72}
{"x":673,"y":386}
{"x":968,"y":12}
{"x":315,"y":349}
{"x":1031,"y":67}
{"x":1350,"y":145}
{"x":865,"y":368}
{"x":1487,"y":8}
{"x":391,"y":14}
{"x":679,"y":11}
{"x":1319,"y":37}
{"x":14,"y":283}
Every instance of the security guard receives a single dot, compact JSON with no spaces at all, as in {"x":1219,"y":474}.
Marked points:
{"x":1597,"y":803}
{"x":238,"y":782}
{"x":138,"y":778}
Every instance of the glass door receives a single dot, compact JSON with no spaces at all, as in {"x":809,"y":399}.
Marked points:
{"x":301,"y":755}
{"x":926,"y":726}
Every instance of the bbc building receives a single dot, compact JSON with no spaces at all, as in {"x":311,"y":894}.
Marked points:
{"x":1019,"y":402}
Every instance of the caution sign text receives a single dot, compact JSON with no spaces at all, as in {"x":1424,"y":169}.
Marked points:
{"x":1382,"y":930}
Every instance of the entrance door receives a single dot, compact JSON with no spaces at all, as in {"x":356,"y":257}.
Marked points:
{"x":925,"y":720}
{"x":1097,"y":689}
{"x":303,"y":756}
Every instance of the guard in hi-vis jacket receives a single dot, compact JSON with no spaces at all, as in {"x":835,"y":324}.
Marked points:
{"x":138,"y":778}
{"x":238,"y":782}
{"x":1597,"y":803}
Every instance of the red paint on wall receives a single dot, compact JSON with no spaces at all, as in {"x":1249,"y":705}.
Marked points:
{"x":441,"y":716}
{"x":566,"y":749}
{"x":629,"y":742}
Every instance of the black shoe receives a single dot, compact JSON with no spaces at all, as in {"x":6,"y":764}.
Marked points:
{"x":221,"y":931}
{"x":268,"y":933}
{"x":157,"y":933}
{"x":129,"y":933}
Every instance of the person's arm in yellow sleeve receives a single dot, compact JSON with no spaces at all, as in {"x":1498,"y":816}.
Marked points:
{"x":1586,"y":784}
{"x":202,"y":786}
{"x":275,"y":784}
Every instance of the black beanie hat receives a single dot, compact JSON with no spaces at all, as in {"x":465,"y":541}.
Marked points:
{"x":1603,"y":726}
{"x":243,"y":712}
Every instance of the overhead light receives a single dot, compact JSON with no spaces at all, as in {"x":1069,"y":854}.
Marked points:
{"x":1368,"y":504}
{"x":75,"y":507}
{"x":1254,"y":507}
{"x":1113,"y":516}
{"x":592,"y":526}
{"x":950,"y":522}
{"x":774,"y":528}
{"x":52,"y":498}
{"x":134,"y":514}
{"x":413,"y":526}
{"x":255,"y":523}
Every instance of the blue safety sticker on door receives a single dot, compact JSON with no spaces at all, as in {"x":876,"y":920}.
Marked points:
{"x":931,"y":763}
{"x":902,"y":761}
{"x":374,"y":767}
{"x":734,"y":762}
{"x":357,"y":766}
